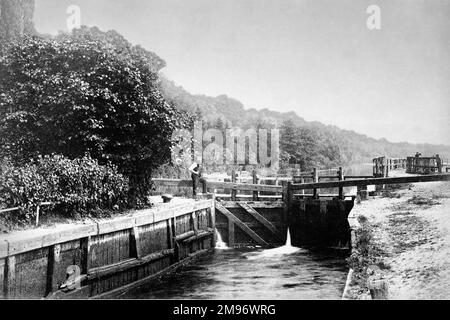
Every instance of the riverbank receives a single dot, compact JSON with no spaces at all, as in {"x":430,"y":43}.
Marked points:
{"x":403,"y":243}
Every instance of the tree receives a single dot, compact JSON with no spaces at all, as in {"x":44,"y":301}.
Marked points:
{"x":198,"y":116}
{"x":219,"y":124}
{"x":88,"y":91}
{"x":299,"y":146}
{"x":15,"y":19}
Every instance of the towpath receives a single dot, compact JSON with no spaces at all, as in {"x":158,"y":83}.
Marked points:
{"x":411,"y":227}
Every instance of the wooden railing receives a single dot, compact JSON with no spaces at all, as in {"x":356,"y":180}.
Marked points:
{"x":424,"y":165}
{"x":371,"y":181}
{"x":232,"y":187}
{"x":254,"y":190}
{"x":221,"y":185}
{"x":289,"y":193}
{"x":38,"y":210}
{"x":382,"y":165}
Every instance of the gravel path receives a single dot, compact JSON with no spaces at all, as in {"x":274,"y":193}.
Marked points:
{"x":412,"y":228}
{"x":55,"y":222}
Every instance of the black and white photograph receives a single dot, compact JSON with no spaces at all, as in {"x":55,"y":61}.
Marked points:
{"x":242,"y":151}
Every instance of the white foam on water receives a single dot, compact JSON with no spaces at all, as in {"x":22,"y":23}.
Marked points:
{"x":219,"y":243}
{"x":288,"y":239}
{"x":276,"y":252}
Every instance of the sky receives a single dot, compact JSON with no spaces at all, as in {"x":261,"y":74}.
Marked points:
{"x":315,"y":57}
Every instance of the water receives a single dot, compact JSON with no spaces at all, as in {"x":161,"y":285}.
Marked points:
{"x":219,"y":242}
{"x":288,"y":239}
{"x":360,"y":169}
{"x":285,"y":272}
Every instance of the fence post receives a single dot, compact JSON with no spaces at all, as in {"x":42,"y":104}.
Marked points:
{"x":170,"y":238}
{"x":316,"y":179}
{"x":53,"y":260}
{"x":439,"y":163}
{"x":85,"y":247}
{"x":10,"y":276}
{"x":231,"y":239}
{"x":287,"y":197}
{"x":255,"y":181}
{"x":341,"y":178}
{"x":284,"y":195}
{"x":233,"y":191}
{"x":378,"y":289}
{"x":374,"y":167}
{"x":176,"y":245}
{"x":135,"y":248}
{"x":213,"y":219}
{"x":290,"y":198}
{"x":385,"y":171}
{"x":386,"y":168}
{"x":37,"y":215}
{"x":302,"y":180}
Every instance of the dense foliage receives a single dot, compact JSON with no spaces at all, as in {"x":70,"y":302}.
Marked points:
{"x":306,"y":147}
{"x":87,"y":91}
{"x":80,"y":186}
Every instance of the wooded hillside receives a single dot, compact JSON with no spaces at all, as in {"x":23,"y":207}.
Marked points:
{"x":331,"y":145}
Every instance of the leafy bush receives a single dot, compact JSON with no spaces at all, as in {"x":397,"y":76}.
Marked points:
{"x":78,"y":186}
{"x":87,"y":91}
